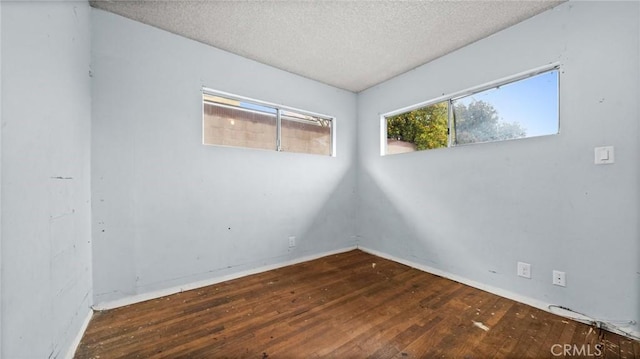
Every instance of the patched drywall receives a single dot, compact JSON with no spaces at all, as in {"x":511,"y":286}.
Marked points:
{"x":46,"y":235}
{"x":475,"y":211}
{"x":168,"y":210}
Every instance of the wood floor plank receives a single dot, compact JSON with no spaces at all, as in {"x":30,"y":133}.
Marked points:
{"x":487,"y":345}
{"x":626,"y":349}
{"x":350,"y":305}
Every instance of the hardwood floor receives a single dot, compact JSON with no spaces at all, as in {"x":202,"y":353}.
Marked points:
{"x":351,"y":305}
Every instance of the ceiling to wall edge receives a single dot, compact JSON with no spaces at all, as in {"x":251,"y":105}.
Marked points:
{"x":366,"y":43}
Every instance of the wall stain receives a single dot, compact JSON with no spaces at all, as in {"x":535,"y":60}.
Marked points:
{"x":51,"y":218}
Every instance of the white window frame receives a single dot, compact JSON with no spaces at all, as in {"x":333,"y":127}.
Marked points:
{"x":464,"y":93}
{"x":278,"y":108}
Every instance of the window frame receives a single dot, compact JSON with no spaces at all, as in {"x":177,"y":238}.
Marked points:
{"x":278,"y":114}
{"x":465,"y":93}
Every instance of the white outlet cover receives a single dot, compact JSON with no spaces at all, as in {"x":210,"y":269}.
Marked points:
{"x":559,"y":278}
{"x":524,"y":270}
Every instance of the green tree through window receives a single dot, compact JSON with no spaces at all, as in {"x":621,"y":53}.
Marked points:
{"x":525,"y":106}
{"x":425,"y":127}
{"x":480,"y":122}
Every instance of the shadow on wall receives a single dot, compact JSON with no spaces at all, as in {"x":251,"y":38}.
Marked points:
{"x":388,"y":228}
{"x":400,"y":221}
{"x":232,"y":235}
{"x":337,"y":213}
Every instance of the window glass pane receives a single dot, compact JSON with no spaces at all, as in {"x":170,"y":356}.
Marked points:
{"x":520,"y":109}
{"x":233,"y":123}
{"x":420,"y":129}
{"x":245,"y":123}
{"x":305,"y":134}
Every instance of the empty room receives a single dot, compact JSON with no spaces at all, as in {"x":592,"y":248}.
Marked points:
{"x":339,"y":179}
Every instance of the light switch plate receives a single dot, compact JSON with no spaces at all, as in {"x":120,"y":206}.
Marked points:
{"x":604,"y":155}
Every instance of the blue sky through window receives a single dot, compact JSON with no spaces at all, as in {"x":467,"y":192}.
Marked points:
{"x":532,"y":102}
{"x":255,"y":107}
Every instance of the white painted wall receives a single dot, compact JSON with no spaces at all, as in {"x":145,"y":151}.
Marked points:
{"x":45,"y":230}
{"x":168,"y":210}
{"x":1,"y":122}
{"x":474,"y":211}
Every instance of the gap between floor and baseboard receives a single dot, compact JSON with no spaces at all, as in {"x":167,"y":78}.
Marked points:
{"x":195,"y":285}
{"x":76,"y":341}
{"x":203,"y":283}
{"x":493,"y":290}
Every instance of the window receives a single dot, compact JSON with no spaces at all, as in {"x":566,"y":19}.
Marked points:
{"x":421,"y":129}
{"x":305,"y":134}
{"x":524,"y":106}
{"x":232,"y":123}
{"x":239,"y":122}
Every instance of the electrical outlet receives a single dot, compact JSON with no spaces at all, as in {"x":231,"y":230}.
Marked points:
{"x":559,"y":278}
{"x":524,"y":270}
{"x":292,"y":241}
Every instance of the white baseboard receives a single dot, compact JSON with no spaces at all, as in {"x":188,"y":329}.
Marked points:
{"x":488,"y":288}
{"x":494,"y":290}
{"x":195,"y":285}
{"x":76,"y":341}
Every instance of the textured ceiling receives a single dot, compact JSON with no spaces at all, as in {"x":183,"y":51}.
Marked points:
{"x":352,"y":45}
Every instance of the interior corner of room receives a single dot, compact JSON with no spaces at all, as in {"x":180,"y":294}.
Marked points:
{"x":109,"y":197}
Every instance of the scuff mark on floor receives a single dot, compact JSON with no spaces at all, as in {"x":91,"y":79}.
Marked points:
{"x":480,"y":325}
